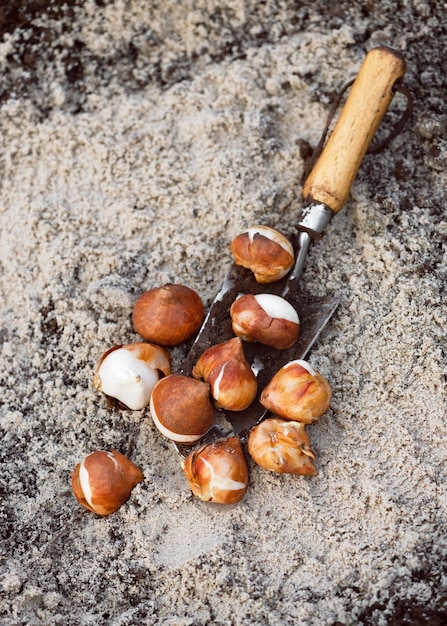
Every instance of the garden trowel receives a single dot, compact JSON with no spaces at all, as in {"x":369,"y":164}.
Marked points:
{"x":325,"y":191}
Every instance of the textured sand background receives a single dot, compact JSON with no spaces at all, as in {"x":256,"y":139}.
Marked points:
{"x":137,"y":139}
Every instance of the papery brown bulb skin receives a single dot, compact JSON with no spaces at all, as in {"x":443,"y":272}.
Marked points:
{"x":297,"y":392}
{"x":104,"y":481}
{"x":217,"y":472}
{"x":252,"y":322}
{"x":282,"y":446}
{"x":168,"y":315}
{"x":181,"y":408}
{"x":155,"y":355}
{"x":225,"y":368}
{"x":265,"y":251}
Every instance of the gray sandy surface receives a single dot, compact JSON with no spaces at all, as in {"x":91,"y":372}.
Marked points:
{"x":137,"y":139}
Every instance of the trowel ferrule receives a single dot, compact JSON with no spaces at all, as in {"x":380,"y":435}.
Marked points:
{"x":314,"y":219}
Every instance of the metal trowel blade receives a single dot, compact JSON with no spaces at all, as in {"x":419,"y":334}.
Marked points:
{"x":314,"y":313}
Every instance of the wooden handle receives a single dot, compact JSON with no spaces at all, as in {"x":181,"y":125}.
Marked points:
{"x":333,"y":174}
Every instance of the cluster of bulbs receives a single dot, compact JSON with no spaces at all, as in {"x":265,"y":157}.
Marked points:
{"x":139,"y":375}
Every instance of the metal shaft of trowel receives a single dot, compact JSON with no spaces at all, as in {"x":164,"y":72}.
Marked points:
{"x":314,"y":219}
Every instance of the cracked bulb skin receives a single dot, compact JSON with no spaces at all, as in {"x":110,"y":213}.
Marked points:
{"x":217,"y":472}
{"x":232,"y":381}
{"x":129,"y":373}
{"x":265,"y":251}
{"x":297,"y":392}
{"x":282,"y":446}
{"x":266,"y":318}
{"x":168,"y":315}
{"x":104,"y":481}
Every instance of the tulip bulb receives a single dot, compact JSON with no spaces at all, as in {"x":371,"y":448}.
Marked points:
{"x":104,"y":481}
{"x":282,"y":446}
{"x":297,"y":392}
{"x":168,"y":315}
{"x":181,"y":409}
{"x":224,"y":367}
{"x":217,"y":472}
{"x":129,"y":373}
{"x":266,"y":318}
{"x":265,"y":251}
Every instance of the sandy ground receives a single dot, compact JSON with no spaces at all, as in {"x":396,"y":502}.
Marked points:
{"x":137,"y":139}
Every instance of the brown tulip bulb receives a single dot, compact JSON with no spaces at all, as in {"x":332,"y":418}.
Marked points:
{"x":266,"y":318}
{"x":129,"y":373}
{"x":104,"y":481}
{"x":217,"y":472}
{"x":181,"y":408}
{"x":224,"y":367}
{"x":297,"y":392}
{"x":282,"y":446}
{"x":168,"y":315}
{"x":265,"y":251}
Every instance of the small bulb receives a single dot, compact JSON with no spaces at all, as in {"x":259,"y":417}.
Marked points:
{"x":265,"y":251}
{"x":266,"y":318}
{"x":168,"y":315}
{"x":129,"y":373}
{"x":181,"y":408}
{"x":103,"y":481}
{"x":297,"y":392}
{"x":224,"y":367}
{"x":217,"y":472}
{"x":282,"y":446}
